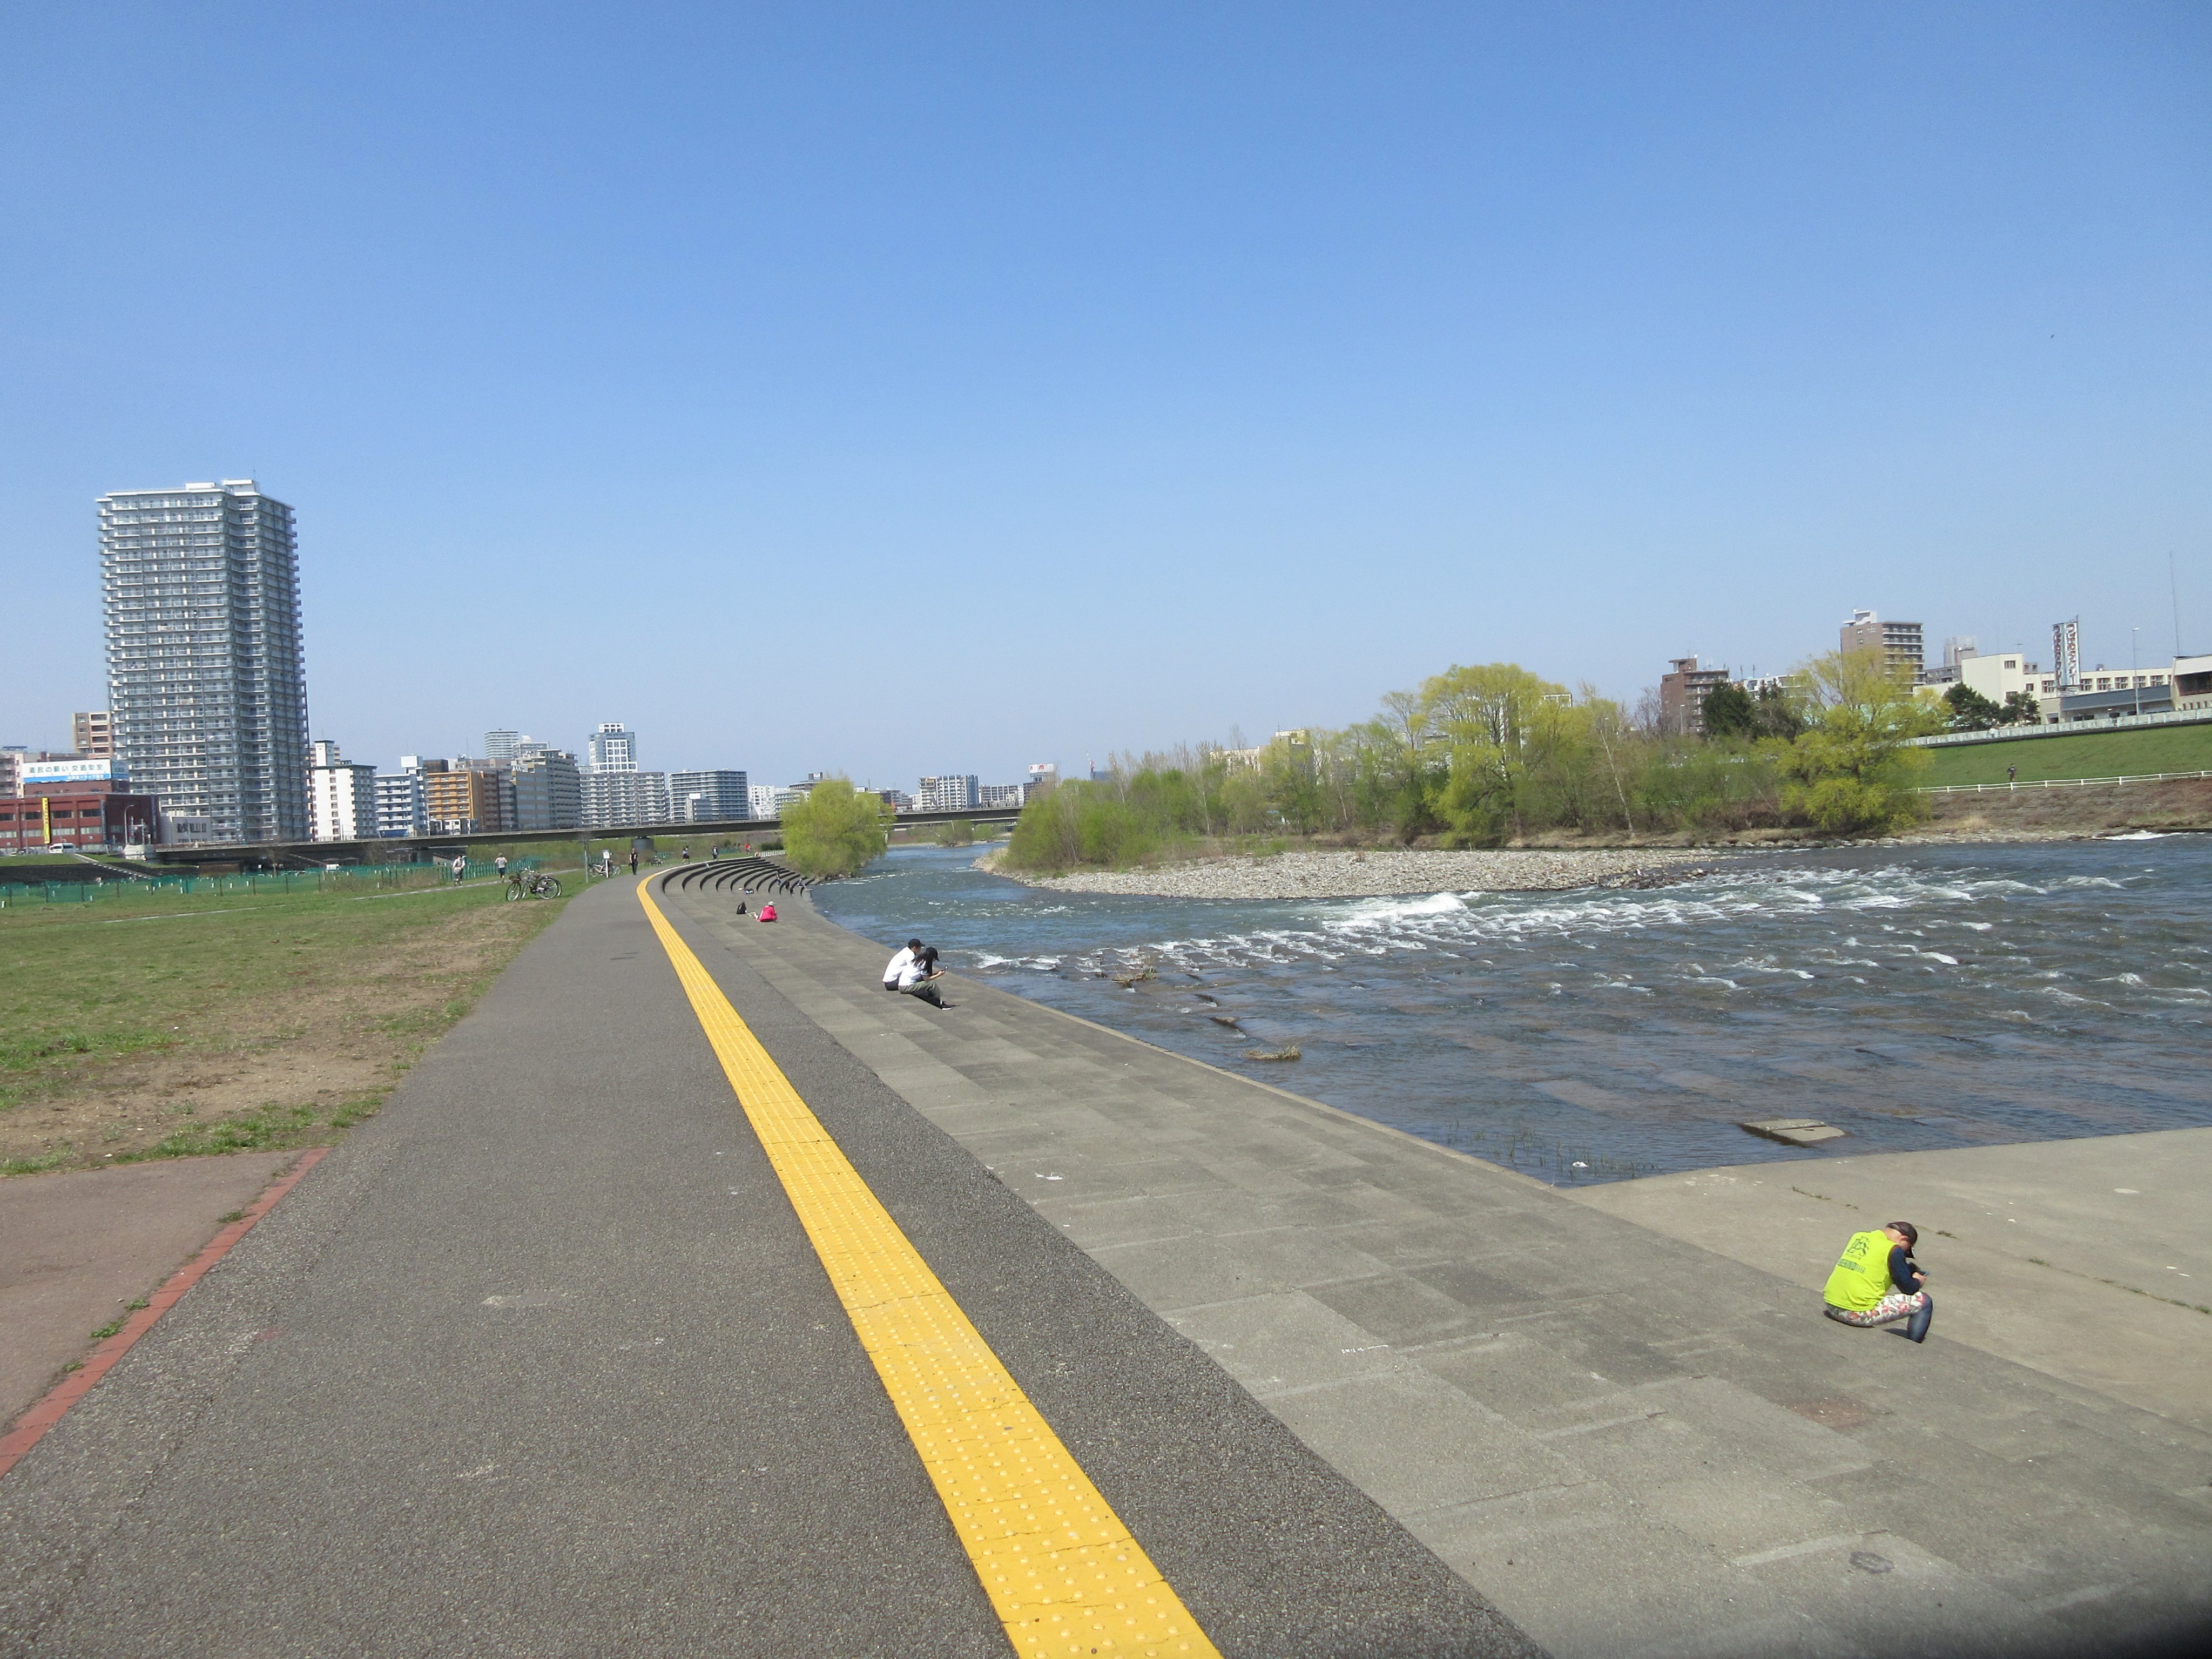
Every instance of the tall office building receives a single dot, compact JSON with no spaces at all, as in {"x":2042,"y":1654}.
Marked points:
{"x":625,"y":799}
{"x":499,"y":745}
{"x":400,"y":808}
{"x":207,"y":687}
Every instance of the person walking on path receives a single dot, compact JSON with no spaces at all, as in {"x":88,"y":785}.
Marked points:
{"x":632,"y":860}
{"x":460,"y":866}
{"x":1876,"y":1282}
{"x":897,"y":964}
{"x":499,"y":866}
{"x":918,"y":977}
{"x":2012,"y":775}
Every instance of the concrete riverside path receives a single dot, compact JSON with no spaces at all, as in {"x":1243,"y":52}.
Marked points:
{"x":1627,"y":1442}
{"x":540,"y":1362}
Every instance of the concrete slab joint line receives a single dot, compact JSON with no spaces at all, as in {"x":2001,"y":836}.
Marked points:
{"x":30,"y":1428}
{"x":1063,"y":1573}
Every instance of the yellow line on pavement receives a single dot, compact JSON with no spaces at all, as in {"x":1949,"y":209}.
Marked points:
{"x":1061,"y":1569}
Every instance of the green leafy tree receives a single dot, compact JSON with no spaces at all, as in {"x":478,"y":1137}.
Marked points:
{"x":2020,"y":709}
{"x":1970,"y":710}
{"x":835,"y":829}
{"x":1850,"y":769}
{"x":1729,"y":712}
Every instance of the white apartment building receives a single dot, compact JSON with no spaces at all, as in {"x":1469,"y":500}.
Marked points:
{"x":342,"y":803}
{"x":708,"y":797}
{"x":612,"y":747}
{"x":625,"y":799}
{"x":950,"y":793}
{"x":992,"y":796}
{"x":400,"y":809}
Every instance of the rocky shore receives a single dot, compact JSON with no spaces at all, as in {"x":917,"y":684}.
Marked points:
{"x":1383,"y":874}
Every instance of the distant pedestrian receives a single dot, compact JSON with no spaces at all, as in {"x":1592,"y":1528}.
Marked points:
{"x":683,"y":856}
{"x":632,"y":860}
{"x":897,"y":964}
{"x":460,"y":866}
{"x":919,"y":978}
{"x":2012,"y":775}
{"x":1877,"y":1282}
{"x":499,"y":866}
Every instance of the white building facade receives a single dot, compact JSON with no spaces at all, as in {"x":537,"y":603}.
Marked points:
{"x":399,"y":801}
{"x":624,"y":801}
{"x":949,"y":793}
{"x":342,"y":803}
{"x":708,"y":797}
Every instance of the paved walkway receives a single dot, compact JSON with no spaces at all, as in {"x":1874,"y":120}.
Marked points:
{"x":540,"y":1362}
{"x":2090,"y":1260}
{"x":76,"y":1249}
{"x":1628,"y":1443}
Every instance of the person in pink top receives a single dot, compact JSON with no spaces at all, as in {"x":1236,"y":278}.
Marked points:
{"x":767,"y":912}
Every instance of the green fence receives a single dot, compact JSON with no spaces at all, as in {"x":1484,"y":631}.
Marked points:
{"x":349,"y":878}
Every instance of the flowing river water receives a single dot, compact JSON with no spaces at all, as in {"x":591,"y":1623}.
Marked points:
{"x":1913,"y":997}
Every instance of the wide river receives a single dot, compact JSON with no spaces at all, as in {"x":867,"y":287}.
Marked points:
{"x":1913,"y":997}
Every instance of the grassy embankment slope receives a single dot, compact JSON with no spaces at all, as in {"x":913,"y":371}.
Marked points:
{"x":175,"y":1025}
{"x":2090,"y":755}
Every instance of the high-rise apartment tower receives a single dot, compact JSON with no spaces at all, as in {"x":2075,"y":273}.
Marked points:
{"x":206,"y":684}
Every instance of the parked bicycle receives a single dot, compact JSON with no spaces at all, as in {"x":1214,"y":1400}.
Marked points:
{"x":531,"y":883}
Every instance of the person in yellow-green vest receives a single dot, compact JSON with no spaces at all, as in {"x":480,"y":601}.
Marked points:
{"x":1877,"y":1282}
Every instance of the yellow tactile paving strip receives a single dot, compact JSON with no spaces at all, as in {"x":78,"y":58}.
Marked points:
{"x":1061,"y":1569}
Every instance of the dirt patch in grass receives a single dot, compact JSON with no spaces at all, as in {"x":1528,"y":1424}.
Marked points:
{"x":275,"y":1024}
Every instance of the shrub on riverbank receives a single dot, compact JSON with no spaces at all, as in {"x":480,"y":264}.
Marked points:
{"x":834,"y":830}
{"x":1483,"y":755}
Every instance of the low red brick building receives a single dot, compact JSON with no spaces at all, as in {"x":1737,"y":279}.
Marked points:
{"x":85,"y":818}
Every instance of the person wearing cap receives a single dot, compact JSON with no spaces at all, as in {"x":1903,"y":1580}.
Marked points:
{"x":1876,"y":1282}
{"x":897,"y":964}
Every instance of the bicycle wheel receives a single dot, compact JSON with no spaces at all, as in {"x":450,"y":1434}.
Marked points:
{"x":514,"y":892}
{"x":548,"y":887}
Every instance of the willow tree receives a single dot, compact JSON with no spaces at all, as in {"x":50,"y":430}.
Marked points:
{"x":834,"y":828}
{"x":1852,"y":767}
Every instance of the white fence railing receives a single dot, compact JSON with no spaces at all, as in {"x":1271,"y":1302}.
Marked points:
{"x":2054,"y":783}
{"x":2197,"y":716}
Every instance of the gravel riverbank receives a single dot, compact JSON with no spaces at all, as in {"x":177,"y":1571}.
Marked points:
{"x":1384,"y":874}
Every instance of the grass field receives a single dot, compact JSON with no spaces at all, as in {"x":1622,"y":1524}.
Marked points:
{"x":2091,"y":754}
{"x":182,"y":1024}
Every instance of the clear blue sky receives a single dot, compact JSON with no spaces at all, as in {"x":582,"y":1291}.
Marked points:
{"x":913,"y":388}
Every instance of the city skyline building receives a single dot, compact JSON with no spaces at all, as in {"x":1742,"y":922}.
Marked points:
{"x":1682,"y":694}
{"x":92,"y":734}
{"x":206,"y":685}
{"x":549,"y":790}
{"x":499,"y":745}
{"x":708,"y":797}
{"x":622,"y":798}
{"x":341,"y":796}
{"x":947,"y":792}
{"x":1899,"y":642}
{"x":612,"y":747}
{"x":400,"y":809}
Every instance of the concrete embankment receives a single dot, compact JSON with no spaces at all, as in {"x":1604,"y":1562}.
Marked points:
{"x":1628,"y":1442}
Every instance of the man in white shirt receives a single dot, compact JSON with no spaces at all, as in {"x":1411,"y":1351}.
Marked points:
{"x":895,"y":970}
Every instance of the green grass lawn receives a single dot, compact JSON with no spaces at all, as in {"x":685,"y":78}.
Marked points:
{"x":173,"y":1024}
{"x":2090,"y":755}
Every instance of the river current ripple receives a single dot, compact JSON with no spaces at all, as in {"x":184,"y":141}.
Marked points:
{"x":1914,"y":997}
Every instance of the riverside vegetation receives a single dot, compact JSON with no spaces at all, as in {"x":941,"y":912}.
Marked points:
{"x":833,"y":829}
{"x":1492,"y":755}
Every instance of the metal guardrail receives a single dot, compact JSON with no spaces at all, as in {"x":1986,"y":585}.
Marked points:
{"x":2054,"y":783}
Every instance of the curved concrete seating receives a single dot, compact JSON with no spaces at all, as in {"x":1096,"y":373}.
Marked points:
{"x":746,"y":875}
